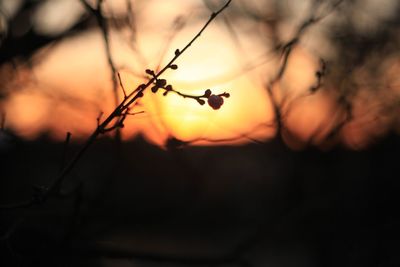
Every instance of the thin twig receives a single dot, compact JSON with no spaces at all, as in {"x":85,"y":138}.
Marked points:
{"x":102,"y":23}
{"x":286,"y":52}
{"x":178,"y":25}
{"x":237,"y":137}
{"x":124,"y":105}
{"x":161,"y":84}
{"x":122,"y":85}
{"x":312,"y":90}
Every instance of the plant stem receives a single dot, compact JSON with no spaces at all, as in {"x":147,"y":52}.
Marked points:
{"x":53,"y":188}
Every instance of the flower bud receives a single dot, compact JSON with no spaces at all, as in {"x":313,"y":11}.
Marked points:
{"x":207,"y":93}
{"x":215,"y":101}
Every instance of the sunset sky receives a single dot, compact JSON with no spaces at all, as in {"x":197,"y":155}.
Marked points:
{"x":70,"y":83}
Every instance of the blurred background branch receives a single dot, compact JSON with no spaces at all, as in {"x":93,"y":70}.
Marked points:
{"x":300,"y":73}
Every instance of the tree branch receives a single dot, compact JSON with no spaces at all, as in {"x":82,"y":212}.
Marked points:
{"x":286,"y":51}
{"x":102,"y":23}
{"x":122,"y":107}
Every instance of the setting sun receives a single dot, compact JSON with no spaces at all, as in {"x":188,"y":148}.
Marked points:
{"x":199,"y":133}
{"x":75,"y":74}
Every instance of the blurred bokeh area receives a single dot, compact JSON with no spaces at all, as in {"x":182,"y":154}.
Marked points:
{"x":56,"y":74}
{"x":298,"y":167}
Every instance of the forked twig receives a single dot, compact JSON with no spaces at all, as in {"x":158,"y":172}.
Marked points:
{"x":286,"y":52}
{"x":120,"y":110}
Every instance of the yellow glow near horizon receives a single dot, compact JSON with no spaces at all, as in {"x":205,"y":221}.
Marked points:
{"x":73,"y":69}
{"x":72,"y":85}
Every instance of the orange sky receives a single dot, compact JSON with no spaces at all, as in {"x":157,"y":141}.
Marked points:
{"x":72,"y":85}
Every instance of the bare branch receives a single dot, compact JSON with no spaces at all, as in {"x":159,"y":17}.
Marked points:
{"x":122,"y":107}
{"x":286,"y":52}
{"x":102,"y":23}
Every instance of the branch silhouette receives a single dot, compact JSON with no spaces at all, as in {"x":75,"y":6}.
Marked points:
{"x":42,"y":194}
{"x":286,"y":51}
{"x":102,"y":23}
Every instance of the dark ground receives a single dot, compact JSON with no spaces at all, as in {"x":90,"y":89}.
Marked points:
{"x":201,"y":205}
